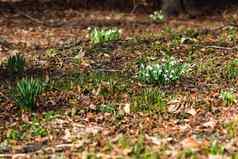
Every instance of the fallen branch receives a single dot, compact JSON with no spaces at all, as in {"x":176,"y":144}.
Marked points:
{"x":30,"y":17}
{"x":218,"y":47}
{"x":108,"y":70}
{"x":20,"y":155}
{"x":37,"y":20}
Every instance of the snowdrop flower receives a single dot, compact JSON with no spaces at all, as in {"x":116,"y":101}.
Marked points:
{"x":149,"y":67}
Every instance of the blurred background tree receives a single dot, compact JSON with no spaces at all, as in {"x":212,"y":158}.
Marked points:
{"x":189,"y":6}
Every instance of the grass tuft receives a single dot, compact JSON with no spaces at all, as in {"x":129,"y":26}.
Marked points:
{"x":232,"y":69}
{"x":15,"y":64}
{"x":228,"y":97}
{"x":149,"y":100}
{"x":27,"y":91}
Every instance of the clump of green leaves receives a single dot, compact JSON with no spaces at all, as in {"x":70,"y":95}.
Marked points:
{"x":139,"y":148}
{"x":123,"y":141}
{"x":232,"y":127}
{"x":107,"y":108}
{"x":104,"y":35}
{"x":228,"y":97}
{"x":49,"y":115}
{"x":232,"y":69}
{"x":14,"y":134}
{"x":157,"y":16}
{"x":169,"y":71}
{"x":216,"y":149}
{"x":149,"y":100}
{"x":15,"y":64}
{"x":38,"y":130}
{"x":229,"y":34}
{"x":232,"y":33}
{"x":187,"y":153}
{"x":26,"y":93}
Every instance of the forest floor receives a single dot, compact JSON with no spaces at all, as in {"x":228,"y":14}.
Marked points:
{"x":87,"y":109}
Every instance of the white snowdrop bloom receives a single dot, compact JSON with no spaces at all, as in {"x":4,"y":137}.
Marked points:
{"x":173,"y":63}
{"x":89,"y":28}
{"x":157,"y":66}
{"x":149,"y":67}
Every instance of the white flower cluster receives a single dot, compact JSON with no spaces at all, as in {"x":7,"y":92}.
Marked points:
{"x":104,"y":35}
{"x":157,"y":16}
{"x":165,"y":73}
